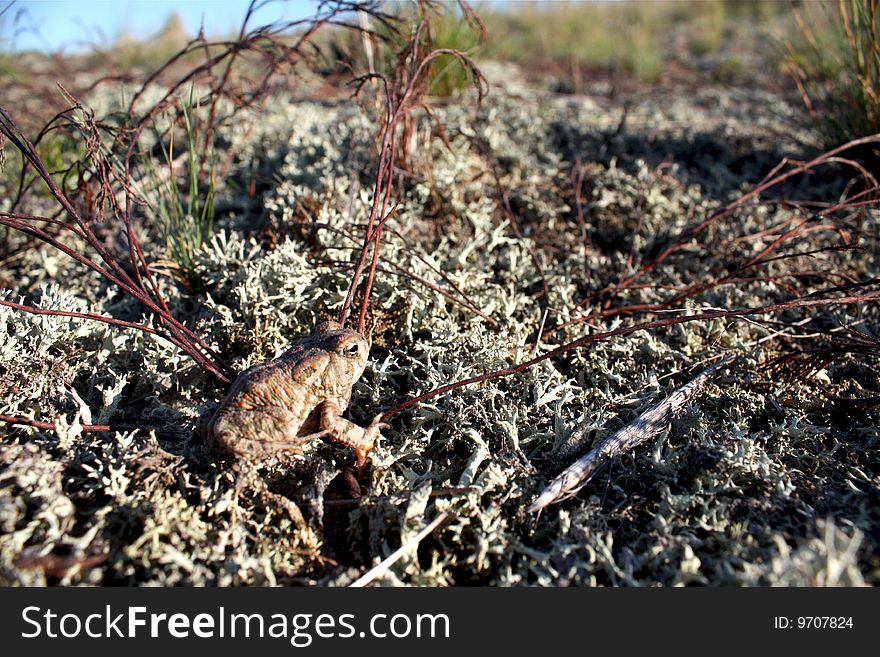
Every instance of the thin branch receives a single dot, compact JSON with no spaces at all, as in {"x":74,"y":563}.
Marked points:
{"x":90,"y":316}
{"x":403,"y":94}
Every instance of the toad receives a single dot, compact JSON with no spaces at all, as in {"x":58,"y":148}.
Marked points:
{"x":280,"y":406}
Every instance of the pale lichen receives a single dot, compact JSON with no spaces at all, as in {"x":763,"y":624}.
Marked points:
{"x":757,"y":483}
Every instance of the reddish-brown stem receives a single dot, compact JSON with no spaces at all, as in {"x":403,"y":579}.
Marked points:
{"x":803,"y":302}
{"x":772,"y":179}
{"x":401,"y":97}
{"x":385,"y":154}
{"x":50,"y":426}
{"x":376,"y":242}
{"x":91,"y":316}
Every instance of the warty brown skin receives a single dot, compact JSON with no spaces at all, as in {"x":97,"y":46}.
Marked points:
{"x":281,"y":405}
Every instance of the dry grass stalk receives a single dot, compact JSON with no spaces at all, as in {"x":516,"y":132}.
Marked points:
{"x":382,"y":567}
{"x":404,"y":93}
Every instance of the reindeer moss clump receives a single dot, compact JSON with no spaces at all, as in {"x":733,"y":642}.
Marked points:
{"x":764,"y":480}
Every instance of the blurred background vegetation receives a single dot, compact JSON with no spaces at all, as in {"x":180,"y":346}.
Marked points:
{"x":638,"y":38}
{"x":826,"y":53}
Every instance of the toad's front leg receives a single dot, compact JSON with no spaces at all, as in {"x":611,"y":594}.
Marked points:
{"x":340,"y":430}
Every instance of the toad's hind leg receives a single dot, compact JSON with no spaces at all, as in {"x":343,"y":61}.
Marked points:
{"x":248,"y":479}
{"x":253,"y":436}
{"x":257,"y":434}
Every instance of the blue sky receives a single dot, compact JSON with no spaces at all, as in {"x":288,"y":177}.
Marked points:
{"x":70,"y":25}
{"x":50,"y":25}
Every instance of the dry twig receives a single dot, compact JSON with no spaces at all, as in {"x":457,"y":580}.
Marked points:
{"x":645,"y":427}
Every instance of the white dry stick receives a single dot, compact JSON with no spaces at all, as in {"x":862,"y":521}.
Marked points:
{"x":381,"y":568}
{"x":367,"y":38}
{"x":648,"y":425}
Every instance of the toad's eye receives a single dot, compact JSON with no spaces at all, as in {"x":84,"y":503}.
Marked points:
{"x":352,"y":350}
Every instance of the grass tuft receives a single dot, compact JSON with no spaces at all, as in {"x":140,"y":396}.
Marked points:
{"x":837,"y":69}
{"x":186,"y":214}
